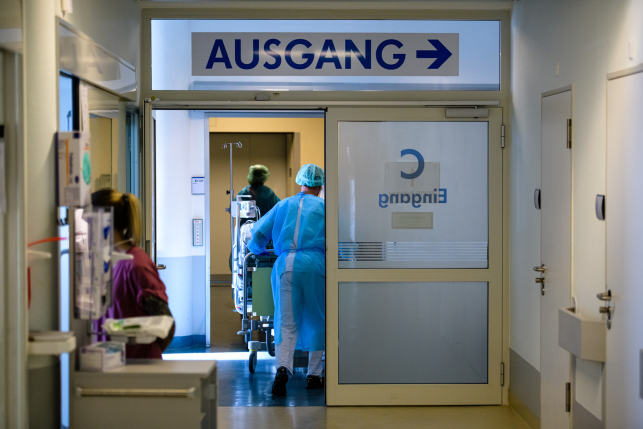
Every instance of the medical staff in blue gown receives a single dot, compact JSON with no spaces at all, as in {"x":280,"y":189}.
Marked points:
{"x":296,"y":226}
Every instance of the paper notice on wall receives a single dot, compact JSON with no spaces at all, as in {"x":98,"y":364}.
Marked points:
{"x":3,"y":184}
{"x":198,"y":185}
{"x":84,"y":107}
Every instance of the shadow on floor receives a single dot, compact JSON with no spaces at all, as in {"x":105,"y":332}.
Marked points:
{"x":239,"y":388}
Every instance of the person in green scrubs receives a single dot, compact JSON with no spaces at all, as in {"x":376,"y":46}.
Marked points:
{"x":265,"y":199}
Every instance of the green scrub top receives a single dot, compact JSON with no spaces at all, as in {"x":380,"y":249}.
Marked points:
{"x":264,"y":198}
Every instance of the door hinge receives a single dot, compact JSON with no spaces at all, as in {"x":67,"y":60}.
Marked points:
{"x":502,"y":137}
{"x":502,"y":374}
{"x":569,"y":134}
{"x":568,"y":397}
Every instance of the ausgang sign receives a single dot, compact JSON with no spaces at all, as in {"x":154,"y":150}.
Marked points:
{"x":325,"y":54}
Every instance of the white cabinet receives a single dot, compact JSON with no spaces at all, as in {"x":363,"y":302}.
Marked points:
{"x":147,"y":393}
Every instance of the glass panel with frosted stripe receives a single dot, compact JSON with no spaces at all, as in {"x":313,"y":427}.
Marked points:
{"x":413,"y":195}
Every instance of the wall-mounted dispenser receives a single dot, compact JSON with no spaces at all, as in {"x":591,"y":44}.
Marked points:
{"x":74,"y":168}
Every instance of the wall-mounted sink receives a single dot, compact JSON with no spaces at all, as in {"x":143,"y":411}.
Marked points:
{"x":584,"y":338}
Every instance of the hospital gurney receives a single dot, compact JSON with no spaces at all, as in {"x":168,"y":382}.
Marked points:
{"x":252,"y":291}
{"x":256,"y":298}
{"x":251,"y":284}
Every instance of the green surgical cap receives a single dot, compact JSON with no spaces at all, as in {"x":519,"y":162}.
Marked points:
{"x":258,"y":174}
{"x":310,"y":175}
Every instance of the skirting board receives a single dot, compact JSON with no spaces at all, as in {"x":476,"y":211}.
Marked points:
{"x":524,"y":382}
{"x":532,"y":421}
{"x":187,"y":341}
{"x":583,"y":419}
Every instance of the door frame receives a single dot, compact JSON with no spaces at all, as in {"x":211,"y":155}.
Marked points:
{"x":502,"y":206}
{"x":572,"y":299}
{"x":201,"y":100}
{"x":415,"y":394}
{"x":619,"y":317}
{"x":148,"y":189}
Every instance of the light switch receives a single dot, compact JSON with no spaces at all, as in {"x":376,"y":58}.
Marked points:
{"x":197,"y":232}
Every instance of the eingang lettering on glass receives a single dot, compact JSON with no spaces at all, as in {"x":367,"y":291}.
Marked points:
{"x":436,"y":195}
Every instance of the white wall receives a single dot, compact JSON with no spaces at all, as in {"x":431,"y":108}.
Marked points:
{"x":114,"y":25}
{"x":589,"y":39}
{"x":180,"y":156}
{"x":41,"y":86}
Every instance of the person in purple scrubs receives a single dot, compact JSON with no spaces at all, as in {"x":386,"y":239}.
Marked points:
{"x":137,"y":288}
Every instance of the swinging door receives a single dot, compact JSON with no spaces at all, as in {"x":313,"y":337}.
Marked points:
{"x":414,"y":257}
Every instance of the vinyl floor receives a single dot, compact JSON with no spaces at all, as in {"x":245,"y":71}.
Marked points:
{"x":484,"y":417}
{"x":245,"y":402}
{"x":239,"y":388}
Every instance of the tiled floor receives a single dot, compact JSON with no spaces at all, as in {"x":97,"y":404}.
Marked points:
{"x":495,"y":417}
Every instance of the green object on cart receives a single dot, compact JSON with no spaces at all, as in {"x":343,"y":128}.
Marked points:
{"x":262,"y":302}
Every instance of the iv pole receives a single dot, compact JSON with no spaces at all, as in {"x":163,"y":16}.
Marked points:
{"x":231,"y":192}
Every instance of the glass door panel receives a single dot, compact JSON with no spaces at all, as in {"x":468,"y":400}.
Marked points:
{"x":440,"y":326}
{"x":416,"y":194}
{"x":414,"y":257}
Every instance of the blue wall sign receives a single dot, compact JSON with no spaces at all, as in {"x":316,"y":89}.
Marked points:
{"x":320,"y":54}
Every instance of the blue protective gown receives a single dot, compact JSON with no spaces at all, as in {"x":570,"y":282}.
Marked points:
{"x":297,"y":228}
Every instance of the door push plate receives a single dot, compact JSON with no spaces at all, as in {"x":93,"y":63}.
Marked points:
{"x":600,"y":207}
{"x":537,"y":199}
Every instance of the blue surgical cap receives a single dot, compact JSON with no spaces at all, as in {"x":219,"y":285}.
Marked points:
{"x":310,"y":175}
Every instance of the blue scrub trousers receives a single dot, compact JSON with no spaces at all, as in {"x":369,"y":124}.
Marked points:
{"x":285,"y":350}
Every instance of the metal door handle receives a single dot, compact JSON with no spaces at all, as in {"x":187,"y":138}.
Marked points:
{"x":541,"y":280}
{"x":541,"y":268}
{"x":161,"y":266}
{"x":607,"y":309}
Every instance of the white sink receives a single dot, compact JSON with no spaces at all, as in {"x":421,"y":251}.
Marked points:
{"x":584,"y":338}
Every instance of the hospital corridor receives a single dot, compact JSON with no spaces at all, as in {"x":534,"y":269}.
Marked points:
{"x":321,"y":214}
